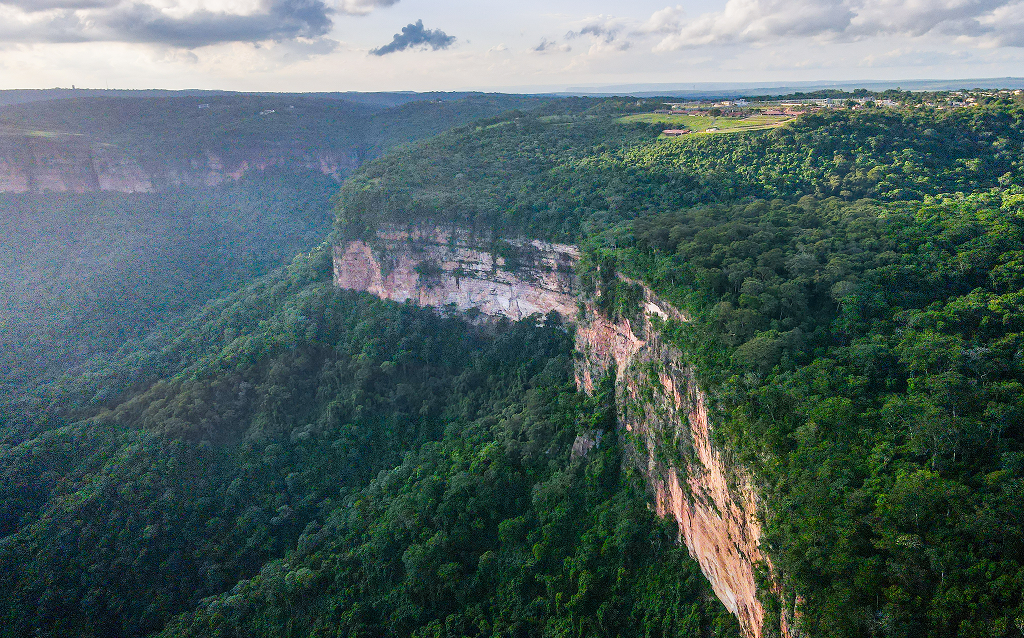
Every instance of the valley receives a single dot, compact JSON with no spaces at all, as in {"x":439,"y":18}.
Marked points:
{"x":526,"y":369}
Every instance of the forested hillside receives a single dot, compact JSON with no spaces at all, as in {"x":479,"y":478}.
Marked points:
{"x":86,"y":275}
{"x":572,"y":169}
{"x":291,"y":459}
{"x":165,"y":129}
{"x":851,"y":277}
{"x":293,"y":396}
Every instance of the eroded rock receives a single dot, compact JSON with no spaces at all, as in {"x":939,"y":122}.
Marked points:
{"x":438,"y":266}
{"x":662,"y":410}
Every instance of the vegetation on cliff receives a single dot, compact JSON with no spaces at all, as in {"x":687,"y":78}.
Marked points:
{"x":412,"y":474}
{"x":290,"y":459}
{"x":86,"y":279}
{"x":569,"y":171}
{"x":854,"y":287}
{"x":865,"y":361}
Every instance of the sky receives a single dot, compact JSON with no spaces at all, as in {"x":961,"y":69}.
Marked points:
{"x":526,"y":45}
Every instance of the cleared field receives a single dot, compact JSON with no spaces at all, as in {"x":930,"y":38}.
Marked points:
{"x":701,"y":124}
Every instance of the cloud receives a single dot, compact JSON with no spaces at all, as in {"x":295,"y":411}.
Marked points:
{"x":43,"y":5}
{"x":550,"y":46}
{"x":279,"y":20}
{"x":988,"y":22}
{"x":603,"y":32}
{"x":139,"y":22}
{"x":599,"y":31}
{"x":362,"y":7}
{"x":414,"y":35}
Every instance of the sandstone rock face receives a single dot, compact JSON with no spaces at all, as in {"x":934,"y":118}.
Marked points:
{"x":662,"y":411}
{"x":75,"y":163}
{"x":665,"y":416}
{"x":438,"y":267}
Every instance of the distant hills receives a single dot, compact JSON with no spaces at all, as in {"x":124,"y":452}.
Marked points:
{"x":389,"y":99}
{"x":141,"y":141}
{"x":732,"y":89}
{"x":376,"y":99}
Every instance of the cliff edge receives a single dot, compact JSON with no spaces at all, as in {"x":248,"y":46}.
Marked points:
{"x":442,"y":266}
{"x":52,"y":162}
{"x":663,"y":414}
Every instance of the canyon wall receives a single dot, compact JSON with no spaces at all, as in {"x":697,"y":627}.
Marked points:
{"x":664,"y":415}
{"x":76,"y":163}
{"x":662,"y":411}
{"x":442,"y":266}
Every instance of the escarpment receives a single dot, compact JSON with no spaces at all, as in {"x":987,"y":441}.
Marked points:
{"x":443,"y":266}
{"x":76,"y":163}
{"x":663,"y":413}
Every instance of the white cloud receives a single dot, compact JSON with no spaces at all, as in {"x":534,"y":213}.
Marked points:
{"x":362,"y":7}
{"x":991,"y":22}
{"x":604,"y":32}
{"x":551,"y":46}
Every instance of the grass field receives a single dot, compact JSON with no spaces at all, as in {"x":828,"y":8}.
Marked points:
{"x":701,"y":124}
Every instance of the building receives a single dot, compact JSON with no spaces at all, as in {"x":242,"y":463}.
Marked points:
{"x":675,"y":132}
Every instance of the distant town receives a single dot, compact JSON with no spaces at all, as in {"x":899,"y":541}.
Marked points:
{"x":890,"y":99}
{"x":752,"y":113}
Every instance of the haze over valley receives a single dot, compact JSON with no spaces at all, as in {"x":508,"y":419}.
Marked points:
{"x":685,"y":331}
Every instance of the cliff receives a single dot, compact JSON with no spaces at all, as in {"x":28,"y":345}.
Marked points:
{"x":79,"y":163}
{"x":668,"y":438}
{"x":438,"y":267}
{"x":662,"y":411}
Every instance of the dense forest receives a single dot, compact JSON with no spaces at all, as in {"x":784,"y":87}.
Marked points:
{"x":162,"y":129}
{"x":866,"y":363}
{"x":87,"y":278}
{"x":259,"y":453}
{"x":415,"y":471}
{"x":571,"y":169}
{"x":851,"y":278}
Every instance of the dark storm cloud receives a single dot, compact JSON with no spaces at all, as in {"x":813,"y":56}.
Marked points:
{"x":414,"y":35}
{"x":109,"y":21}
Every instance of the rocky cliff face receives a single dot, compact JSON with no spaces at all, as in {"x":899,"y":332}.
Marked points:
{"x":438,"y":267}
{"x":76,"y":163}
{"x":663,"y":412}
{"x":665,"y":417}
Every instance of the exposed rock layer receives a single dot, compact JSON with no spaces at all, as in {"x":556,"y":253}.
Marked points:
{"x":663,"y":411}
{"x":75,"y":163}
{"x":438,"y":267}
{"x":665,"y":415}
